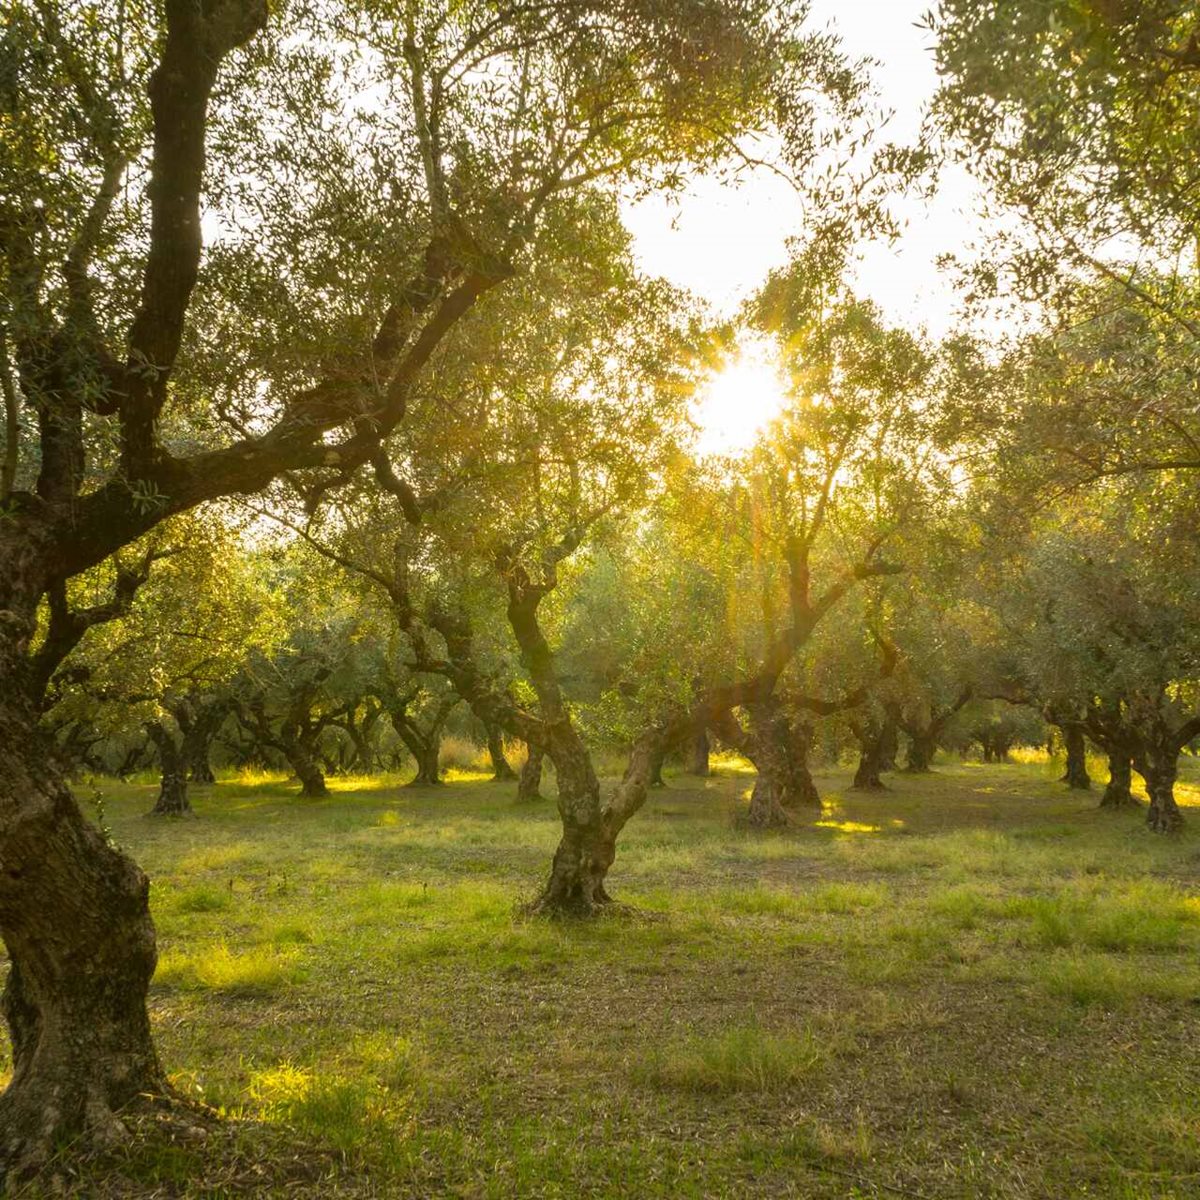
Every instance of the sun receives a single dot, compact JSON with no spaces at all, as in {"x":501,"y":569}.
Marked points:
{"x":739,"y":400}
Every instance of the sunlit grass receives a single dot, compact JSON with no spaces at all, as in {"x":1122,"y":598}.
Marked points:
{"x":894,"y":991}
{"x":253,"y":972}
{"x":744,"y":1058}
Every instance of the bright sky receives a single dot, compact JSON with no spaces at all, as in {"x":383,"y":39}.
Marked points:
{"x":720,"y":241}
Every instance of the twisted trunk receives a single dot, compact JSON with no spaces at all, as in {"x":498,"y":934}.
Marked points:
{"x":363,"y":759}
{"x":697,"y":754}
{"x":1076,"y":775}
{"x":588,"y":846}
{"x":656,"y":768}
{"x":300,"y":752}
{"x":876,"y":742}
{"x":74,"y":914}
{"x":1159,"y":766}
{"x":779,"y":751}
{"x":424,"y":744}
{"x":428,"y":764}
{"x":200,"y":730}
{"x":501,"y":767}
{"x":922,"y":746}
{"x":529,"y":782}
{"x":172,"y":793}
{"x":1118,"y":793}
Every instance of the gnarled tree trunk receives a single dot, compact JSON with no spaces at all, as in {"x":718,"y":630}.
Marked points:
{"x":922,"y":746}
{"x":656,"y":768}
{"x":302,"y":758}
{"x":74,"y":914}
{"x":697,"y":754}
{"x":1159,"y":767}
{"x":1118,"y":793}
{"x":501,"y":767}
{"x":779,"y":751}
{"x":877,"y":741}
{"x":590,"y":828}
{"x":424,"y":744}
{"x":199,"y":720}
{"x":529,"y":783}
{"x":172,"y":793}
{"x":428,"y":764}
{"x":587,"y":847}
{"x":1076,"y":775}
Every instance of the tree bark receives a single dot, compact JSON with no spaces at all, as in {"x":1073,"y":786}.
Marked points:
{"x":1118,"y":793}
{"x":529,"y":783}
{"x":207,"y":715}
{"x":922,"y":746}
{"x":172,"y":793}
{"x":697,"y":754}
{"x":428,"y":764}
{"x":656,"y":768}
{"x":779,"y":751}
{"x":501,"y":767}
{"x":876,"y":740}
{"x":302,"y":759}
{"x":1159,"y":767}
{"x":1076,"y":776}
{"x":588,"y":848}
{"x":424,"y":744}
{"x":75,"y":917}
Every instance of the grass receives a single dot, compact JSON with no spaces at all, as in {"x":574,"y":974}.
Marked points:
{"x":974,"y":984}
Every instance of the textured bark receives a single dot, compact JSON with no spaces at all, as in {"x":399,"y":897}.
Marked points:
{"x":656,"y":769}
{"x":1118,"y":793}
{"x":428,"y":764}
{"x":301,"y":755}
{"x":588,"y":847}
{"x":779,"y":751}
{"x":921,"y":749}
{"x":172,"y":793}
{"x":529,"y":783}
{"x":74,"y":913}
{"x":1159,"y":767}
{"x":358,"y":757}
{"x":200,"y":718}
{"x":877,"y":741}
{"x":697,"y":754}
{"x":501,"y":767}
{"x":1076,"y":775}
{"x":423,"y":741}
{"x":924,"y":735}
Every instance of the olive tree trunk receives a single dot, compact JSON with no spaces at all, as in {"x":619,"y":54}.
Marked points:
{"x":1159,"y":767}
{"x":301,"y":754}
{"x":1076,"y":775}
{"x":697,"y":754}
{"x":876,"y":741}
{"x":501,"y":767}
{"x":172,"y":793}
{"x":529,"y":783}
{"x":922,"y":746}
{"x":588,"y":846}
{"x":1118,"y":793}
{"x":74,"y":914}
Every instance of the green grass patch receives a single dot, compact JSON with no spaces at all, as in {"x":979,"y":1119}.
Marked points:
{"x":974,"y":983}
{"x":744,"y":1058}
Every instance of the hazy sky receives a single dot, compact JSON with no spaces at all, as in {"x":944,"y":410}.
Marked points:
{"x":720,"y":241}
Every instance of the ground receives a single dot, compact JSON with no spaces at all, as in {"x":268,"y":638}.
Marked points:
{"x":973,"y":984}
